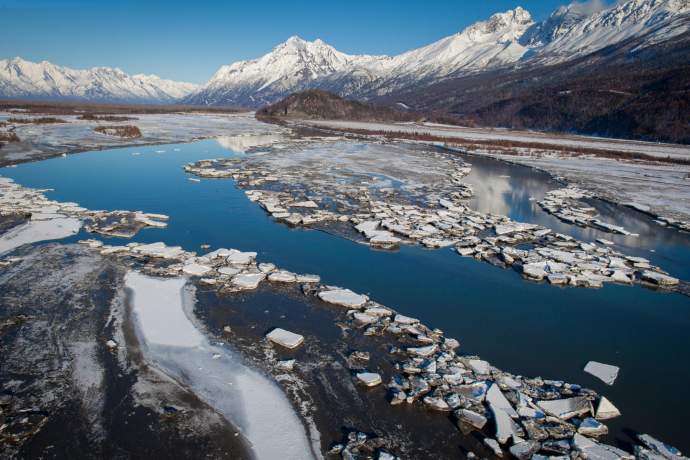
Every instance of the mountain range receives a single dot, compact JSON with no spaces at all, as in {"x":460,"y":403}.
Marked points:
{"x":24,"y":79}
{"x":621,"y":70}
{"x":510,"y":41}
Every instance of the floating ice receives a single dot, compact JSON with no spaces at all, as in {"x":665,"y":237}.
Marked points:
{"x":604,"y":372}
{"x":344,"y":297}
{"x":370,"y":379}
{"x":285,"y":338}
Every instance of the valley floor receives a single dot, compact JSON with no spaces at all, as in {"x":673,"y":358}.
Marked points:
{"x":202,"y":351}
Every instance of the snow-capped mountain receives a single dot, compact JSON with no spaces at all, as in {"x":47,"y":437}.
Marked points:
{"x":291,"y":66}
{"x":570,"y":33}
{"x":504,"y":40}
{"x":20,"y":78}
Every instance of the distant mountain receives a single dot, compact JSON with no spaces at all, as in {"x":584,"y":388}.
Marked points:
{"x":24,"y":79}
{"x":506,"y":41}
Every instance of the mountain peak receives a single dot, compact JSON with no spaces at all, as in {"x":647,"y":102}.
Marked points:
{"x":505,"y":26}
{"x":296,"y":42}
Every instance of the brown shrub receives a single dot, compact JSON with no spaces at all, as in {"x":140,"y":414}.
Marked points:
{"x":111,"y":118}
{"x":8,"y":136}
{"x":36,"y":121}
{"x":127,"y":131}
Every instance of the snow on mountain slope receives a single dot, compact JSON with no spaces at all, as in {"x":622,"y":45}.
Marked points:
{"x":298,"y":64}
{"x":652,"y":19}
{"x":291,"y":66}
{"x":481,"y":45}
{"x":21,"y":78}
{"x":505,"y":39}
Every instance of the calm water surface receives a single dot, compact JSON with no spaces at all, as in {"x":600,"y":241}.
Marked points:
{"x":526,"y":328}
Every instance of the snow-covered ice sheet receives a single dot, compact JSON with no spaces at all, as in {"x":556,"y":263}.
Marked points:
{"x":605,"y":372}
{"x":34,"y":231}
{"x":244,"y":396}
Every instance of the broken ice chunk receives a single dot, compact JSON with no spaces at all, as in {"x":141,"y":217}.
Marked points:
{"x":606,"y":410}
{"x":248,"y":280}
{"x":480,"y":367}
{"x":496,"y":400}
{"x":604,"y":372}
{"x":195,"y":269}
{"x":659,"y":278}
{"x":592,"y":449}
{"x":471,"y":418}
{"x":344,"y":297}
{"x":370,"y":379}
{"x":402,"y":319}
{"x":285,"y":338}
{"x":660,"y":448}
{"x":524,"y":450}
{"x":236,"y":257}
{"x":566,"y":408}
{"x":592,"y":427}
{"x":282,"y":276}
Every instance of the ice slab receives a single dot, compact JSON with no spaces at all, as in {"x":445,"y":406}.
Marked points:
{"x":566,"y":408}
{"x":606,"y":410}
{"x":38,"y":230}
{"x":604,"y":372}
{"x":496,"y":400}
{"x":285,"y":338}
{"x":344,"y":297}
{"x":370,"y":379}
{"x":195,"y":269}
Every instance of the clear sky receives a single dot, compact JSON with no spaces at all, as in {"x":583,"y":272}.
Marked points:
{"x":189,"y":40}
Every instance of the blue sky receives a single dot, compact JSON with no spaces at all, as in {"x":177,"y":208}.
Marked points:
{"x":189,"y":40}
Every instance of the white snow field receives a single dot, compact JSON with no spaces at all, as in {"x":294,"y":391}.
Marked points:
{"x":248,"y":399}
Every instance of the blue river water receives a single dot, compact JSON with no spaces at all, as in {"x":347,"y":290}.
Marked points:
{"x":522,"y":327}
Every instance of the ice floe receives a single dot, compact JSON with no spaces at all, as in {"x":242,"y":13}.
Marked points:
{"x":285,"y":338}
{"x":604,"y":372}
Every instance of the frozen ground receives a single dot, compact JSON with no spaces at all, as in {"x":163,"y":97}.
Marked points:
{"x":216,"y":375}
{"x":497,"y":134}
{"x":40,"y":141}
